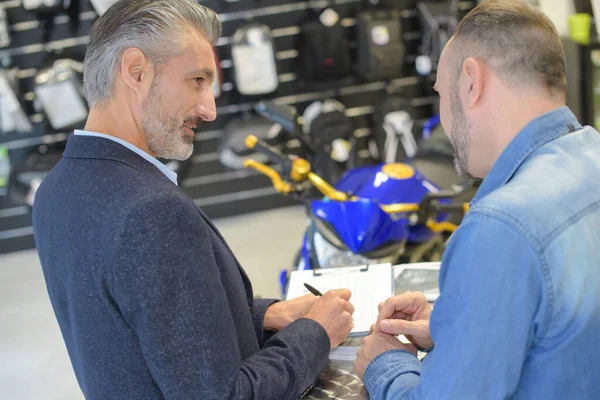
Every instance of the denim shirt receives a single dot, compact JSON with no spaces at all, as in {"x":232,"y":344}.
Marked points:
{"x":519,"y":311}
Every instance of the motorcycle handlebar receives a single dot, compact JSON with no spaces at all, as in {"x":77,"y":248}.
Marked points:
{"x":274,"y":154}
{"x":283,"y":115}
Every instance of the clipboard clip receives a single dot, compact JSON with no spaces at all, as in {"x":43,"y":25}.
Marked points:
{"x":340,"y":270}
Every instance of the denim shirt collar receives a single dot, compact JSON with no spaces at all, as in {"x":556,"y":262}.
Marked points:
{"x":537,"y":133}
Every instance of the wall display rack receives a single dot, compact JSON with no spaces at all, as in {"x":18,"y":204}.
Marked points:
{"x":218,"y":190}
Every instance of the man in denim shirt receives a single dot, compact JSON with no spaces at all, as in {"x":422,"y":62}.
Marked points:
{"x":519,"y":310}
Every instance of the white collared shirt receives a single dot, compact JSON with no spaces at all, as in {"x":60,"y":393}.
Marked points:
{"x":162,"y":167}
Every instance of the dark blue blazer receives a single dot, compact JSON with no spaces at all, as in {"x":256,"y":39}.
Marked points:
{"x":151,"y":302}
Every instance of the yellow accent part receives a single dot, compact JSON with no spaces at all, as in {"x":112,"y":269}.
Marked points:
{"x":251,"y":141}
{"x":441,"y":226}
{"x":398,"y":171}
{"x":300,"y":170}
{"x":466,"y":207}
{"x":279,"y":184}
{"x":326,"y":188}
{"x":399,"y":208}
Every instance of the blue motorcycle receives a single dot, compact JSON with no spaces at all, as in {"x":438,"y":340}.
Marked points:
{"x":386,"y":213}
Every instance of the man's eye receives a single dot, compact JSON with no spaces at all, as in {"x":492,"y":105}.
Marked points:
{"x":199,"y":81}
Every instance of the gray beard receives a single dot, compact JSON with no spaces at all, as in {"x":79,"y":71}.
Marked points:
{"x":165,"y":136}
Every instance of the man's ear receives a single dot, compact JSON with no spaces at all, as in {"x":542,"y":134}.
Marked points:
{"x":136,"y":71}
{"x":473,"y":81}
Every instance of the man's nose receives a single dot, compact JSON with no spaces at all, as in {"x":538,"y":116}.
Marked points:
{"x":206,"y":107}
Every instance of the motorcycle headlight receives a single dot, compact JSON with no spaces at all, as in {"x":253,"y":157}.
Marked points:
{"x":330,"y":256}
{"x":332,"y":252}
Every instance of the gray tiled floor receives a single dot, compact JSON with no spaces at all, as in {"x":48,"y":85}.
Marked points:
{"x":33,"y":360}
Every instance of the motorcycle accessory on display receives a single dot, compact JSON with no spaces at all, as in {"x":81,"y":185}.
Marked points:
{"x":325,"y":122}
{"x":394,"y":130}
{"x":61,"y":81}
{"x":47,"y":10}
{"x":216,"y":86}
{"x":39,"y":5}
{"x":254,"y":61}
{"x":324,"y":49}
{"x":102,"y":5}
{"x":27,"y":177}
{"x":396,"y":4}
{"x":381,"y":48}
{"x":12,"y":116}
{"x":438,"y":21}
{"x":4,"y":34}
{"x":232,"y":148}
{"x":4,"y":170}
{"x":330,"y":131}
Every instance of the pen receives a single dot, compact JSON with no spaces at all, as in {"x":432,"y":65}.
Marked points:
{"x":313,"y":290}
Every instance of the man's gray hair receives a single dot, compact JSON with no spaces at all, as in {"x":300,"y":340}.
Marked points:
{"x":518,"y":41}
{"x":156,"y":27}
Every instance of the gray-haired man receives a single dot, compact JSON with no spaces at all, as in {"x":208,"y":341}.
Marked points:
{"x":151,"y":302}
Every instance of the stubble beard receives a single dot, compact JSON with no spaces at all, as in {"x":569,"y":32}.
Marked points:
{"x":460,"y":137}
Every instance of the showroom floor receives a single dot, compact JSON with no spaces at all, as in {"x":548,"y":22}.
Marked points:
{"x":33,"y":360}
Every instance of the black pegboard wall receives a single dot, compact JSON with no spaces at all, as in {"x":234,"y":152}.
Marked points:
{"x":219,"y":191}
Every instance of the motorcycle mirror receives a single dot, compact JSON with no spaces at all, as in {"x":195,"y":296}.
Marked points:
{"x":284,"y":115}
{"x":287,"y":117}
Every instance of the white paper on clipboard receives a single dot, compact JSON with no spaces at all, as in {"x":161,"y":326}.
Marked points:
{"x":369,"y":284}
{"x":418,"y":277}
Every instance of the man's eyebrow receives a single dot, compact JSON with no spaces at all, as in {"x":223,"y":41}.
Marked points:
{"x":202,"y":71}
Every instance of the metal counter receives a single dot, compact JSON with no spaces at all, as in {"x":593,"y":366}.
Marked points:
{"x":339,"y":380}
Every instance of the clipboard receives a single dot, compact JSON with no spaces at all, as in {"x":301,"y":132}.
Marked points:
{"x":369,"y":284}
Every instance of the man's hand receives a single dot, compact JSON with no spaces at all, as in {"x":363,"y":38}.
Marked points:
{"x":406,"y":314}
{"x":281,"y":314}
{"x":375,"y":344}
{"x":334,"y":312}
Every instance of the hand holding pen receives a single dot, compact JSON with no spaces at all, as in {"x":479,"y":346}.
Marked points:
{"x":333,"y":312}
